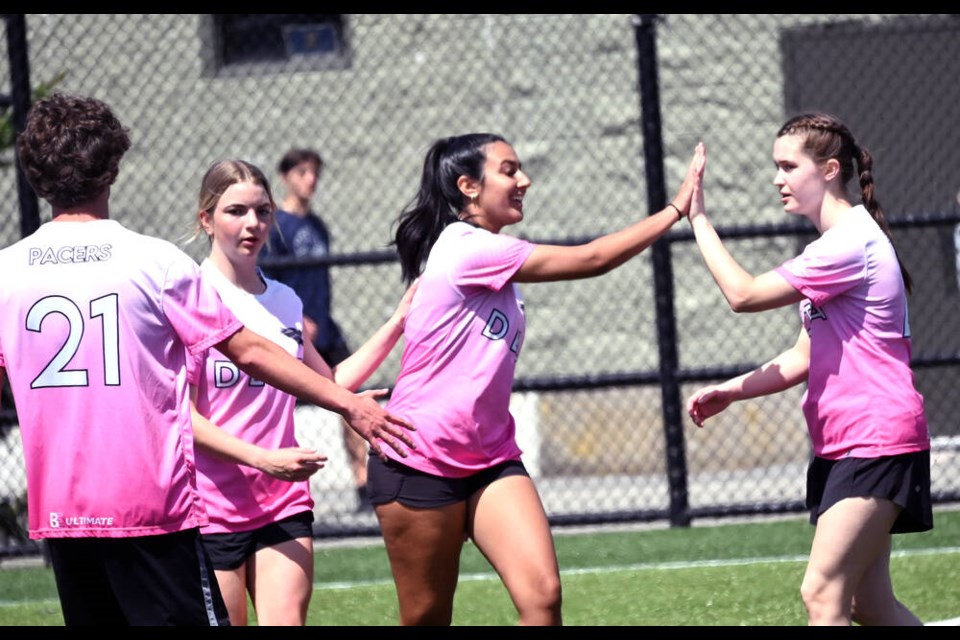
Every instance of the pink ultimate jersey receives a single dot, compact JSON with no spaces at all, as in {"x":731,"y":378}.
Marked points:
{"x":462,"y":337}
{"x":95,"y":327}
{"x":241,"y":498}
{"x":860,"y":399}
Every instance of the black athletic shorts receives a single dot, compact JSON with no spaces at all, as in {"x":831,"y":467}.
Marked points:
{"x":163,"y":580}
{"x":228,"y":551}
{"x":903,"y":479}
{"x":391,"y":480}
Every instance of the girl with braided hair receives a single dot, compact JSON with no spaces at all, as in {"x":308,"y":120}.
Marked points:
{"x":869,"y":476}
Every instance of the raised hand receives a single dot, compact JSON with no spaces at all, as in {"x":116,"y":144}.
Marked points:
{"x":697,"y":206}
{"x":698,"y":163}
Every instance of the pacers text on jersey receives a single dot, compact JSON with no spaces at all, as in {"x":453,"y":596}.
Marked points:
{"x":69,"y":255}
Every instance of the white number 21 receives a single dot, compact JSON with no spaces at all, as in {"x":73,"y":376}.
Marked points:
{"x":55,"y":374}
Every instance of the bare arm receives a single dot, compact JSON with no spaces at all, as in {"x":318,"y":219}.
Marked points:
{"x":554,"y":262}
{"x":786,"y":370}
{"x":742,"y":291}
{"x":313,"y":359}
{"x":290,"y":463}
{"x":310,"y":330}
{"x":266,"y":361}
{"x":354,"y":371}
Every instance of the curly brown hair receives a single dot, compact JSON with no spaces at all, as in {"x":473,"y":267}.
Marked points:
{"x":71,"y":149}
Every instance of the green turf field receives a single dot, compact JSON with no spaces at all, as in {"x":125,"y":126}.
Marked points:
{"x":726,"y":574}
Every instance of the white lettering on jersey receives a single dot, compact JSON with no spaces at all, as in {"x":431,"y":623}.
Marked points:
{"x":498,"y":326}
{"x":56,"y":374}
{"x":226,"y":374}
{"x":69,"y":255}
{"x":86,"y":521}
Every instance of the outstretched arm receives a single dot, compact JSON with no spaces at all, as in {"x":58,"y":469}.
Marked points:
{"x":354,"y":371}
{"x":743,"y":291}
{"x":290,"y":463}
{"x":310,"y":330}
{"x":554,"y":262}
{"x":786,"y":370}
{"x":267,"y":361}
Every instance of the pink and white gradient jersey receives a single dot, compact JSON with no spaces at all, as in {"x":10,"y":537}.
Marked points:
{"x":462,"y":336}
{"x":860,"y":399}
{"x":241,"y":498}
{"x":95,"y":329}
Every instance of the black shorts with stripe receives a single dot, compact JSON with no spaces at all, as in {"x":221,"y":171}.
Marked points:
{"x":162,"y":580}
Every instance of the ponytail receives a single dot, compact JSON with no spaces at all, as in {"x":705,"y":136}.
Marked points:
{"x":865,"y":164}
{"x":439,"y":200}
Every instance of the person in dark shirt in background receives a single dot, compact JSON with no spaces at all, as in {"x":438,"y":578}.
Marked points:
{"x":299,"y":232}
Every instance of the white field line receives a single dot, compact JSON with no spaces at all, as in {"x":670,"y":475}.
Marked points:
{"x":643,"y":566}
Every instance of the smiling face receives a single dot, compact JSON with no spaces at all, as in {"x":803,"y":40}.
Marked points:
{"x":240,"y":223}
{"x":499,"y":196}
{"x":802,"y":182}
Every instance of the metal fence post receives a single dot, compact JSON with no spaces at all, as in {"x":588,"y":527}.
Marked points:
{"x":645,"y":33}
{"x":16,"y":26}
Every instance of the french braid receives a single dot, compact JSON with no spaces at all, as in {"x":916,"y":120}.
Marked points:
{"x":826,"y":137}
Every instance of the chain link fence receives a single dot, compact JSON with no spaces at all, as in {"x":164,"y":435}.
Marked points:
{"x":604,"y":111}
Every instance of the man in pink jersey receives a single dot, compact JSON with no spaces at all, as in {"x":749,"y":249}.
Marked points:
{"x":97,"y":324}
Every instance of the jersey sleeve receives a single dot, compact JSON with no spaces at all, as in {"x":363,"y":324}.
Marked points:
{"x":490,"y":259}
{"x":195,"y":363}
{"x":194,"y":308}
{"x":828,"y":267}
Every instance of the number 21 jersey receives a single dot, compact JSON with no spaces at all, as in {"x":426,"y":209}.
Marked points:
{"x":95,"y":325}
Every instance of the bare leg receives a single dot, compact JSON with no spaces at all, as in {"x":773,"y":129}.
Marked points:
{"x":233,"y":586}
{"x":851,"y":546}
{"x":874,"y":603}
{"x":509,"y":526}
{"x":357,"y":450}
{"x":281,"y":582}
{"x":424,"y":548}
